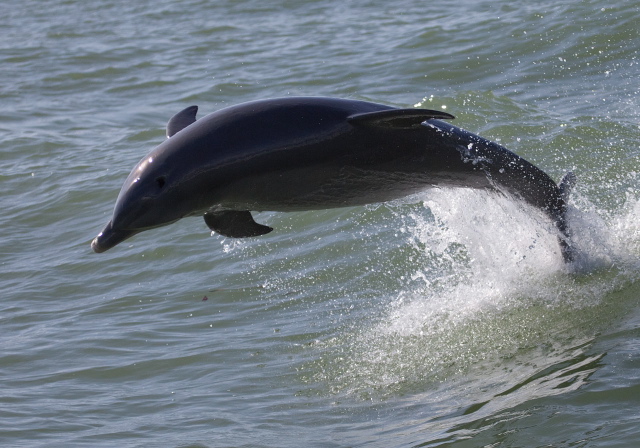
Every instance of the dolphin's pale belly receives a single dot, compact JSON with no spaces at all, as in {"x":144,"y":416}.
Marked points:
{"x":333,"y":187}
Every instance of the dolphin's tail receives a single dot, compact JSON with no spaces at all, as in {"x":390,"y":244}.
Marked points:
{"x":565,"y":186}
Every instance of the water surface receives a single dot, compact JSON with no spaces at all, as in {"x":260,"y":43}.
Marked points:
{"x":444,"y":319}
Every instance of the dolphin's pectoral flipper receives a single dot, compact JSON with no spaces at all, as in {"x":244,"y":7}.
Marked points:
{"x":235,"y":224}
{"x":397,"y":118}
{"x":181,"y":120}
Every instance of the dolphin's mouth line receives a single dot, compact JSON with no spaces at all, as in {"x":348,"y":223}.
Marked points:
{"x":110,"y":237}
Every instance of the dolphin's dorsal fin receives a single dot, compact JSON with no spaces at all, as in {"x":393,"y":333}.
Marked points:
{"x":397,"y":118}
{"x":181,"y":120}
{"x":235,"y":224}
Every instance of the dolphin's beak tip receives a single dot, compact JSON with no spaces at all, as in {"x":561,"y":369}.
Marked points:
{"x":105,"y":239}
{"x":95,"y":245}
{"x":110,"y":237}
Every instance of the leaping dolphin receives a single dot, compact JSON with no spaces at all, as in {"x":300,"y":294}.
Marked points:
{"x":308,"y":153}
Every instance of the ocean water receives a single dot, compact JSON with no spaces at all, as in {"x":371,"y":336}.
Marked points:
{"x":443,"y":319}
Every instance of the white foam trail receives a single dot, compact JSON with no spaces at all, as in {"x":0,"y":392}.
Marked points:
{"x":493,"y":284}
{"x":501,"y":247}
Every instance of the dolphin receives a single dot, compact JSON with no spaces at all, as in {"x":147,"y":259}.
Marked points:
{"x":310,"y":153}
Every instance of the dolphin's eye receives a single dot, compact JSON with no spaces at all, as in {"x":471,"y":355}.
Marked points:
{"x":160,"y":181}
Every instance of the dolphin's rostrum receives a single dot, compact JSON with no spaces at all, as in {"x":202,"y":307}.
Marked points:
{"x":309,"y":153}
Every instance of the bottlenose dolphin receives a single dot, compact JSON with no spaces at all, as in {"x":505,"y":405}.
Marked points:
{"x":309,"y":153}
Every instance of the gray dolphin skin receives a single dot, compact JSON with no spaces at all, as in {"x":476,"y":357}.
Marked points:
{"x":311,"y":153}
